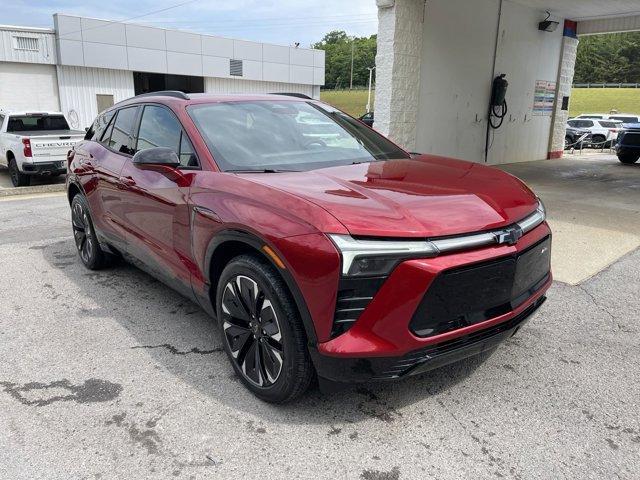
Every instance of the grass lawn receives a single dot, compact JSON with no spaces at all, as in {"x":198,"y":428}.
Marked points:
{"x":354,"y":102}
{"x":603,"y":100}
{"x":583,"y":100}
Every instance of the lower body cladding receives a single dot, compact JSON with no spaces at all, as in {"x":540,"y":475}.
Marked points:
{"x":433,"y":312}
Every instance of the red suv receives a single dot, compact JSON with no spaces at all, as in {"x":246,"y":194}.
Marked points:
{"x":321,"y":247}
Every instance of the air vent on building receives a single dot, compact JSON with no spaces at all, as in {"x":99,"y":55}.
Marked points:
{"x":26,"y":43}
{"x":235,"y":68}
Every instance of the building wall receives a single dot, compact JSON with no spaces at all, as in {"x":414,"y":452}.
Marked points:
{"x":525,"y":55}
{"x":30,"y":87}
{"x":105,"y":44}
{"x":232,"y":85}
{"x":459,"y":44}
{"x":45,"y":53}
{"x":455,"y":79}
{"x":460,"y":41}
{"x":400,"y":30}
{"x":78,"y":87}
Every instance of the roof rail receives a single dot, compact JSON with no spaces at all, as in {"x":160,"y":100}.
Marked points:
{"x":298,"y":95}
{"x":166,"y":93}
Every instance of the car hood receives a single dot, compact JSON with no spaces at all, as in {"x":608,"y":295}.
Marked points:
{"x":426,"y":196}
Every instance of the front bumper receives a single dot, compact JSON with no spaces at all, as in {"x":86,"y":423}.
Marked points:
{"x":44,"y":168}
{"x":424,"y":359}
{"x":383,"y":342}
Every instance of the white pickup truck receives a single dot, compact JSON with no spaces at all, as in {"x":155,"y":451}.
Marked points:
{"x":35,"y":144}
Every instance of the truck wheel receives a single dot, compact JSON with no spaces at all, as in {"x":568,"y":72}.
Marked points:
{"x":628,"y":158}
{"x":598,"y":141}
{"x":18,"y":179}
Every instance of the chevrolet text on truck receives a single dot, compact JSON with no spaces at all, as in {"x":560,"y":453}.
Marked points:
{"x":35,"y":144}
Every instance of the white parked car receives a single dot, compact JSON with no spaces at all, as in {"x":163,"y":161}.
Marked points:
{"x":623,"y":117}
{"x":35,"y":144}
{"x":603,"y":132}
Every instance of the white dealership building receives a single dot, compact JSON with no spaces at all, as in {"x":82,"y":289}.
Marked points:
{"x":84,"y":65}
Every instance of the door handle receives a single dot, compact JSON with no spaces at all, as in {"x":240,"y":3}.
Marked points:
{"x":126,"y":181}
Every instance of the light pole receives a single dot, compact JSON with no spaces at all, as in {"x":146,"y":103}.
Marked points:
{"x":352,"y":48}
{"x":371,"y":69}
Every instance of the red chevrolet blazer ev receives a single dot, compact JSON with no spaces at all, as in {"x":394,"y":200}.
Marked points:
{"x":321,"y":248}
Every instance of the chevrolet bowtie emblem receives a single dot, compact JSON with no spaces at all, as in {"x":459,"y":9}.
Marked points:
{"x":509,"y":236}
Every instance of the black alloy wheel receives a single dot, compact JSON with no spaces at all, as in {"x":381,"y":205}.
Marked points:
{"x":262,"y":331}
{"x":91,"y":254}
{"x":252,"y":331}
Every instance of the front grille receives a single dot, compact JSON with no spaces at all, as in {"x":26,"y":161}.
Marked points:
{"x":354,"y":294}
{"x":465,"y":296}
{"x":631,"y":139}
{"x":442,"y":353}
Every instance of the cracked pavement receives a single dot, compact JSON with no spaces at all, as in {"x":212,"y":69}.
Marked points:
{"x":112,"y":375}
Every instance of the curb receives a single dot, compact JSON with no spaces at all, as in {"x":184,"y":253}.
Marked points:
{"x":8,"y":192}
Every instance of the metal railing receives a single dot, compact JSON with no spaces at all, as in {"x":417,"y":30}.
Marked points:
{"x":606,"y":85}
{"x":580,"y":143}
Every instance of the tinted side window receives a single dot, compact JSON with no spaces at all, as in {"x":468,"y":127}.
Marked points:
{"x":99,"y":126}
{"x":158,"y":128}
{"x":187,"y":154}
{"x":122,"y":129}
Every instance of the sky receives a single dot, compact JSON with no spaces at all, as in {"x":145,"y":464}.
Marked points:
{"x":282,"y":22}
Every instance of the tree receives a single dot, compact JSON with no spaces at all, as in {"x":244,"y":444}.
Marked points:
{"x":610,"y":58}
{"x":337,"y":46}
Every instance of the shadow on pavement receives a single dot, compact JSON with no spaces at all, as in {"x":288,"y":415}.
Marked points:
{"x":178,"y":335}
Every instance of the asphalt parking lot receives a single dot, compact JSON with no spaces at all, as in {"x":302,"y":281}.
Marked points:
{"x":113,"y":375}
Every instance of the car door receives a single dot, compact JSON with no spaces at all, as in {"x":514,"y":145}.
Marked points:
{"x":155,"y":202}
{"x":108,"y":161}
{"x":99,"y":163}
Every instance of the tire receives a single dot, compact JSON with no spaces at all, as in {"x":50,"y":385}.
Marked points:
{"x":18,"y":179}
{"x":568,"y":141}
{"x":598,"y":140}
{"x":628,"y":158}
{"x":268,"y":350}
{"x":84,"y":235}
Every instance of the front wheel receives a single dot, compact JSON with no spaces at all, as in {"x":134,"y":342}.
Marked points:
{"x":628,"y":158}
{"x":18,"y":179}
{"x":262,"y":331}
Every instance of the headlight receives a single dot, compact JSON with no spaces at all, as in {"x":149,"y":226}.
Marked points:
{"x":370,"y":258}
{"x":378,"y":257}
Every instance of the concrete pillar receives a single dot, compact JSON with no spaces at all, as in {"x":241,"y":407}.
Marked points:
{"x":400,"y":27}
{"x":563,"y":89}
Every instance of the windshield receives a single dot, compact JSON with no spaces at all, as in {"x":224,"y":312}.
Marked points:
{"x":36,"y":123}
{"x":285,"y":135}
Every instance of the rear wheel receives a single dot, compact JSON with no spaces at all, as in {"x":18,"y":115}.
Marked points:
{"x":18,"y":179}
{"x":628,"y":158}
{"x":84,"y":235}
{"x":262,"y":331}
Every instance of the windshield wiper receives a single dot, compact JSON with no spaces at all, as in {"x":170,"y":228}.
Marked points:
{"x":261,"y":170}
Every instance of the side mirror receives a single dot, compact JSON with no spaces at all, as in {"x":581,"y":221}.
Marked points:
{"x":156,"y":157}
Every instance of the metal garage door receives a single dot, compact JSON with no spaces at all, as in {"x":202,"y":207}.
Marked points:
{"x":28,"y":86}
